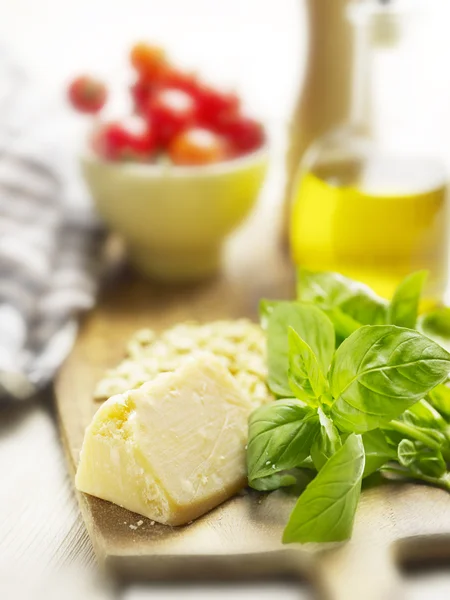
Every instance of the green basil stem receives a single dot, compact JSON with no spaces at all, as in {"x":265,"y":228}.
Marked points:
{"x":442,"y":482}
{"x":414,"y":433}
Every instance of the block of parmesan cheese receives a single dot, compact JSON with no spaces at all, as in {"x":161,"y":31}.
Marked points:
{"x":172,"y":449}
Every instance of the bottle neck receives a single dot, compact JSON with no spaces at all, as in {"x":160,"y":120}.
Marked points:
{"x":361,"y":84}
{"x":377,"y":34}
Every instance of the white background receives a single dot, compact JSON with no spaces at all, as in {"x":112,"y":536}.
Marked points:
{"x":257,"y":45}
{"x":254,"y":44}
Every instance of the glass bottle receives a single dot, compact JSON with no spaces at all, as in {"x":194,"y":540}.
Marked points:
{"x":366,"y":204}
{"x":324,"y":93}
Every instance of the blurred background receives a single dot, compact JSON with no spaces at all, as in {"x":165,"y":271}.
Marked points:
{"x":258,"y":47}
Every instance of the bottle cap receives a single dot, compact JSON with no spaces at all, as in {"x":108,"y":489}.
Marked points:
{"x":384,"y":18}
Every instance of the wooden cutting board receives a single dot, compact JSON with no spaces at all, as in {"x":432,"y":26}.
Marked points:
{"x":395,"y":524}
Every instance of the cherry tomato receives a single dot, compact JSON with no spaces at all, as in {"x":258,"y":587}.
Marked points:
{"x":214,"y":105}
{"x":179,"y":80}
{"x":86,"y":94}
{"x":168,"y":78}
{"x":170,"y":111}
{"x":131,"y":140}
{"x":148,"y":60}
{"x":140,"y":94}
{"x":245,"y":134}
{"x":197,"y":146}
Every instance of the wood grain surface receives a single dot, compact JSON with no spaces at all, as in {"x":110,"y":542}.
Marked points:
{"x":240,"y":539}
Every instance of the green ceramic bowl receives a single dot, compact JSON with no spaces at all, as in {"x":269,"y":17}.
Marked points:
{"x":174,"y":219}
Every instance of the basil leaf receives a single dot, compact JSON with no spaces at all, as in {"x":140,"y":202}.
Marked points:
{"x":404,"y":305}
{"x":428,"y":426}
{"x":439,"y":398}
{"x":265,"y":310}
{"x":420,"y":459}
{"x":403,"y":473}
{"x":436,"y":325}
{"x":377,"y":450}
{"x":333,"y":290}
{"x":306,"y":378}
{"x":274,"y":482}
{"x":326,"y":510}
{"x":432,"y":438}
{"x":307,"y":464}
{"x":312,"y":325}
{"x":294,"y":479}
{"x":280,"y":437}
{"x":380,"y":371}
{"x":406,"y":453}
{"x":327,"y":441}
{"x":423,"y":414}
{"x":343,"y":324}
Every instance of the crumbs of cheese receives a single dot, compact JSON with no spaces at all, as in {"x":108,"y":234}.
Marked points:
{"x":172,"y":449}
{"x":239,"y":345}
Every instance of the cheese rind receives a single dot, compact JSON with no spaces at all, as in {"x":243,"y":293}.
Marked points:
{"x":172,"y":449}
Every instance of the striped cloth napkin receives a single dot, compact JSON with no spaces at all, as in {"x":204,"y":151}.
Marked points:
{"x":49,"y":247}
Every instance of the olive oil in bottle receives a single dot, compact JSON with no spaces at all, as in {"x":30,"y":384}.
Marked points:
{"x":369,"y":213}
{"x":376,"y":225}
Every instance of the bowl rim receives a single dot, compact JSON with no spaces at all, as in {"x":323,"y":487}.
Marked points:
{"x":158,"y":169}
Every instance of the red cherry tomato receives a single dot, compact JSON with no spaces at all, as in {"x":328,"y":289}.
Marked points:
{"x":86,"y":94}
{"x":214,"y":105}
{"x":179,"y":80}
{"x":148,"y":60}
{"x":142,"y":89}
{"x":197,"y":146}
{"x":244,"y":134}
{"x":131,"y":140}
{"x":170,"y":111}
{"x":140,"y":94}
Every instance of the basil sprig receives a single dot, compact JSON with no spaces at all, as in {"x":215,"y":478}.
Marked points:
{"x":326,"y":510}
{"x":379,"y":372}
{"x":280,"y":437}
{"x":313,"y":327}
{"x":376,"y":403}
{"x":404,"y":306}
{"x":436,"y":325}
